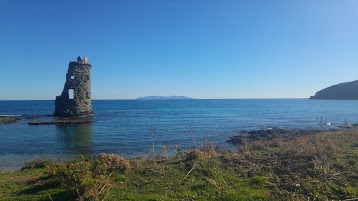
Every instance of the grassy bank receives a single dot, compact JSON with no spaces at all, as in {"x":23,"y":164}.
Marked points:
{"x":316,"y":166}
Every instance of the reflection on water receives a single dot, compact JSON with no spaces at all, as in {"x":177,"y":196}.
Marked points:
{"x":75,"y":139}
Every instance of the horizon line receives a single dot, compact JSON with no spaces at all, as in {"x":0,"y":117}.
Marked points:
{"x":152,"y":99}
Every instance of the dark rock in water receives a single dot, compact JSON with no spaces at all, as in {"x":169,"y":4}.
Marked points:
{"x":59,"y":122}
{"x":32,"y":117}
{"x":8,"y":120}
{"x":64,"y":121}
{"x":266,"y":134}
{"x":349,"y":126}
{"x":236,"y":140}
{"x":347,"y":90}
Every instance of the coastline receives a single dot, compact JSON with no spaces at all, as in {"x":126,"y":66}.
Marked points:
{"x":123,"y":126}
{"x":313,"y":165}
{"x":232,"y":141}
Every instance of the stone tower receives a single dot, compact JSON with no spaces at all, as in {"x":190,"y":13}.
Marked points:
{"x":75,"y":99}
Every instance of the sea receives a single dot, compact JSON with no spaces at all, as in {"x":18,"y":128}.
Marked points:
{"x":131,"y":127}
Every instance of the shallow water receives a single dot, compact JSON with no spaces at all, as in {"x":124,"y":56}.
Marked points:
{"x":123,"y":126}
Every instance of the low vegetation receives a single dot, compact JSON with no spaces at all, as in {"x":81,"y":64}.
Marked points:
{"x":312,"y":166}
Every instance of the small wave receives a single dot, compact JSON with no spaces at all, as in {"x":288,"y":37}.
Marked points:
{"x":10,"y":115}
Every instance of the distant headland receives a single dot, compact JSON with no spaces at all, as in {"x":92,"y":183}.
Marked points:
{"x":346,"y":90}
{"x":163,"y":98}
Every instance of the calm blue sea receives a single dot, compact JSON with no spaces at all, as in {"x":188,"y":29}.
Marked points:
{"x":123,"y":126}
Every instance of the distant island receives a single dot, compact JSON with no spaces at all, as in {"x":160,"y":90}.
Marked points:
{"x":346,"y":90}
{"x":163,"y":98}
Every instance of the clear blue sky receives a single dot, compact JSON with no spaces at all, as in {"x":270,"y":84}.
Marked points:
{"x":196,"y":48}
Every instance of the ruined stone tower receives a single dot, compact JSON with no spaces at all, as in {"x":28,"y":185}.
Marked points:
{"x":75,"y":99}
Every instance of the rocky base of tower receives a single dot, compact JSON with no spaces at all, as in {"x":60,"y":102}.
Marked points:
{"x":72,"y":108}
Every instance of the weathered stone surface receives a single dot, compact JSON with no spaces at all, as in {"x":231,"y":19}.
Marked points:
{"x":78,"y":82}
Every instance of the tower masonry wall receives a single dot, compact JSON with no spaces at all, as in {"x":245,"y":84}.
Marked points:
{"x":75,"y":99}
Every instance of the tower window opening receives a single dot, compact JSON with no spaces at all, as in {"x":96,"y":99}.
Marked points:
{"x":70,"y":93}
{"x":72,"y":77}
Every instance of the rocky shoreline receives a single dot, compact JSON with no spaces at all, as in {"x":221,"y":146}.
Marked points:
{"x":270,"y":133}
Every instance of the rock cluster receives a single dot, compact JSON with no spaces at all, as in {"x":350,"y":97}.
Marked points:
{"x":267,"y":134}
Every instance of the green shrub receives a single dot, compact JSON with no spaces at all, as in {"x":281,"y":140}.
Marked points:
{"x":352,"y":190}
{"x":87,"y":177}
{"x":107,"y":163}
{"x":76,"y":177}
{"x":258,"y":181}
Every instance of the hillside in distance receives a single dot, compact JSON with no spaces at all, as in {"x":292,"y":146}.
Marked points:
{"x":163,"y":98}
{"x":346,"y":90}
